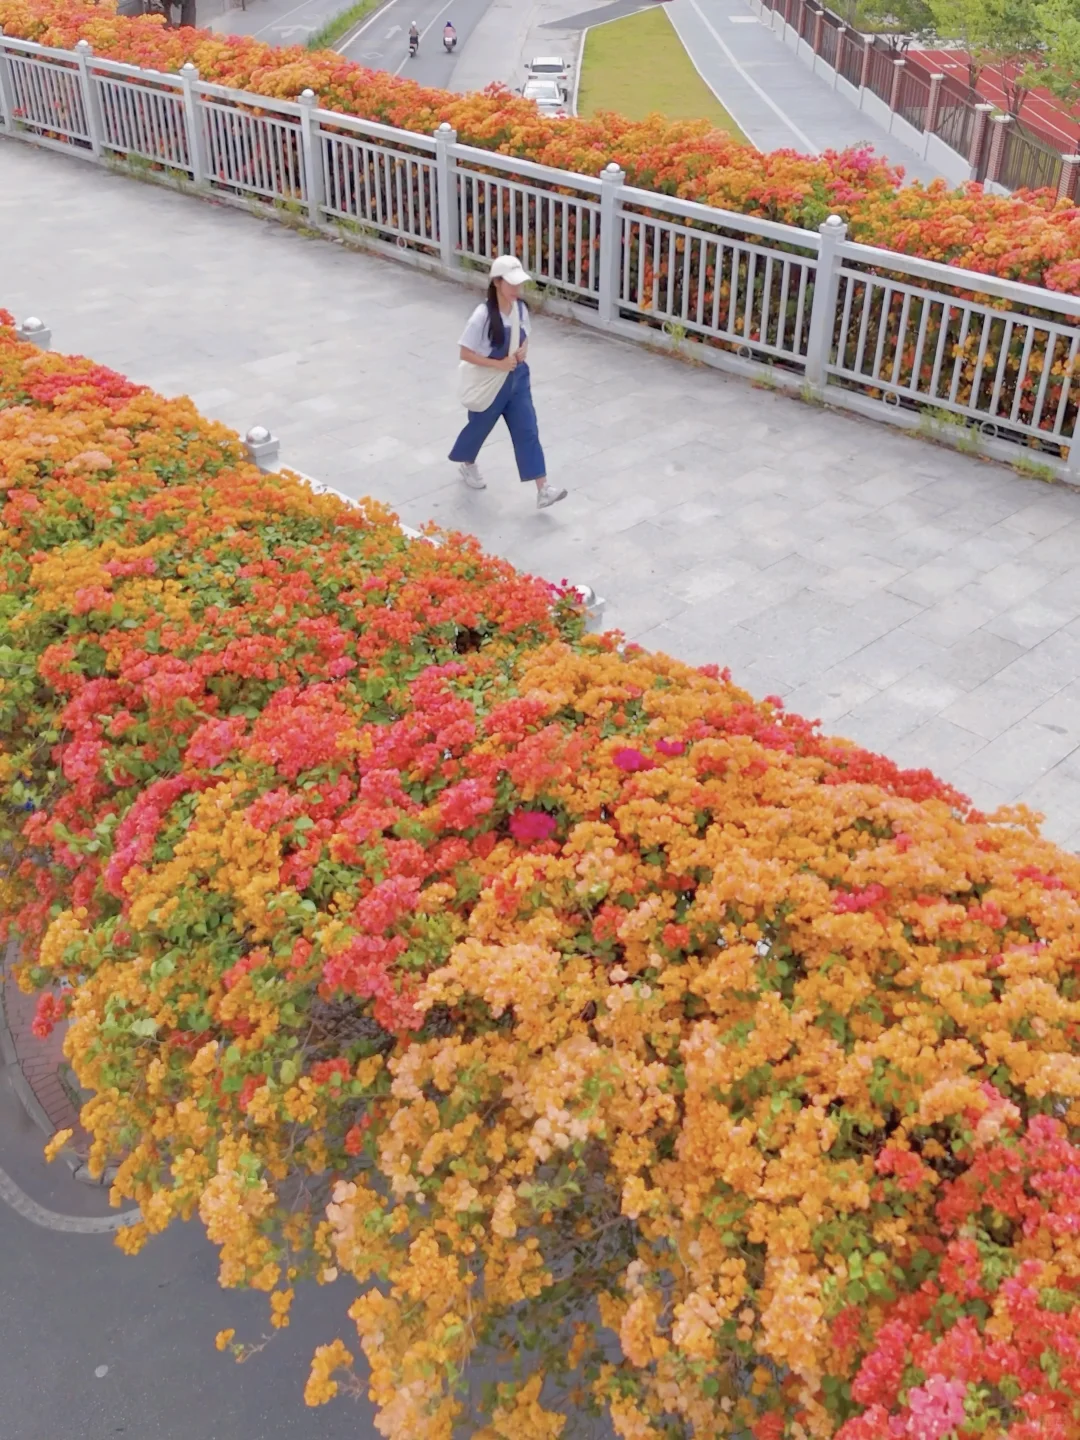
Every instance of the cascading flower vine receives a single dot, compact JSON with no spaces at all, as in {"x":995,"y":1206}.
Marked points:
{"x":557,"y":997}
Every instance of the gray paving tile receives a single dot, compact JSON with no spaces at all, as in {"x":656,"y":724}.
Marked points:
{"x":938,"y":745}
{"x":830,"y":696}
{"x":933,"y":581}
{"x":955,"y":616}
{"x":1057,"y":796}
{"x":994,"y":706}
{"x":1030,"y":622}
{"x":1021,"y":755}
{"x":976,"y":657}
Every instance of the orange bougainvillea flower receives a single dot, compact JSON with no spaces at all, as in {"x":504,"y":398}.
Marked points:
{"x":596,"y":1023}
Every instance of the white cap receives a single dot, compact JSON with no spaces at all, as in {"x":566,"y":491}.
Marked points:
{"x":508,"y":268}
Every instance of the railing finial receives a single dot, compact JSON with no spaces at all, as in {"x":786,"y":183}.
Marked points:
{"x":34,"y":332}
{"x":262,"y":447}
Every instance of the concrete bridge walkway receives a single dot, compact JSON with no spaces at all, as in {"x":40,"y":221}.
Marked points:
{"x":924,"y":603}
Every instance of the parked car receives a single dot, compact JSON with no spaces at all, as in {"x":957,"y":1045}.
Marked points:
{"x":550,"y":67}
{"x":548,"y":96}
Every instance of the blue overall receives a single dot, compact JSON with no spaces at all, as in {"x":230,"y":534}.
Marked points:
{"x":514,"y":403}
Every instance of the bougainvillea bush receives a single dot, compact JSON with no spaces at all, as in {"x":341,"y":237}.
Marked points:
{"x":557,"y":1005}
{"x":1030,"y":237}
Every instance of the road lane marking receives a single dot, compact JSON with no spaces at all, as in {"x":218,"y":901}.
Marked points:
{"x":423,"y":32}
{"x":811,"y":148}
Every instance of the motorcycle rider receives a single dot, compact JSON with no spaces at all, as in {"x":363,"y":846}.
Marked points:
{"x":414,"y":38}
{"x":449,"y":36}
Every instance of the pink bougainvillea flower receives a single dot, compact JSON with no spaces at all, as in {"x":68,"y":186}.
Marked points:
{"x":531,"y":827}
{"x":671,"y":747}
{"x":631,"y":760}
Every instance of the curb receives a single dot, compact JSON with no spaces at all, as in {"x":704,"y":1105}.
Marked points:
{"x":24,"y":1090}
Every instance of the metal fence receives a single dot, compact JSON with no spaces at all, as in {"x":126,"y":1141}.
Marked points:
{"x":954,"y":120}
{"x":913,"y":96}
{"x":1028,"y":163}
{"x":1028,"y":159}
{"x":872,"y":330}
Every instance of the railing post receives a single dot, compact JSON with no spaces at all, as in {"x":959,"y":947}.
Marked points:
{"x":263,"y":448}
{"x":894,"y":88}
{"x":188,"y":77}
{"x":34,"y":332}
{"x":864,"y":72}
{"x":313,"y":170}
{"x":838,"y":58}
{"x":7,"y":91}
{"x":1070,"y":168}
{"x":933,"y":103}
{"x":446,"y":195}
{"x":823,"y":311}
{"x":83,"y":53}
{"x":978,"y":136}
{"x":819,"y":25}
{"x":997,"y":146}
{"x":611,"y":182}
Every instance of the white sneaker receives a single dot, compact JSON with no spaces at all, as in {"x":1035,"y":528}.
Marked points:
{"x":549,"y":496}
{"x":472,"y":477}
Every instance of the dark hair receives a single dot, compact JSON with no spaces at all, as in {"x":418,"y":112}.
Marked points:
{"x":496,"y":326}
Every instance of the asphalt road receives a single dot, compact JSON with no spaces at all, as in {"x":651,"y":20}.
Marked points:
{"x":384,"y":43}
{"x":71,"y":1305}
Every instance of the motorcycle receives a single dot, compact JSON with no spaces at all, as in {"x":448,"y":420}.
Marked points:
{"x":449,"y":43}
{"x":414,"y":46}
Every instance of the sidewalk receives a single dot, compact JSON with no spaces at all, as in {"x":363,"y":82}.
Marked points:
{"x":772,"y":96}
{"x":277,"y":22}
{"x":35,"y":1066}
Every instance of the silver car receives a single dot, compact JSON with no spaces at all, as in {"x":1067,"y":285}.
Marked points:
{"x":548,"y":96}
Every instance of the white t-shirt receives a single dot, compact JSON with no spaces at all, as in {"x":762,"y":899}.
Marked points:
{"x":477,"y":337}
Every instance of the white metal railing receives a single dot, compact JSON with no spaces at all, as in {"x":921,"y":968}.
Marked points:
{"x":887,"y":334}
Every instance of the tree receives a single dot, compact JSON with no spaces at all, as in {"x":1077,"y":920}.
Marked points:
{"x":999,"y":34}
{"x":1058,"y":69}
{"x":898,"y":22}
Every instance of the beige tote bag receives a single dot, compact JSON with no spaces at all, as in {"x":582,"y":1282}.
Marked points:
{"x":478,"y":385}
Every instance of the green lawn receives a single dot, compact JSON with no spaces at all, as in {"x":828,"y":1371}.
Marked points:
{"x":638,"y":67}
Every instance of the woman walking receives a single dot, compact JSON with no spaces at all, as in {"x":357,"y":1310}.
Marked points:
{"x":494,"y":380}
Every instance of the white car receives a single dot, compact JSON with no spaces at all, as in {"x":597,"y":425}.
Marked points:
{"x":550,"y":67}
{"x":548,"y":96}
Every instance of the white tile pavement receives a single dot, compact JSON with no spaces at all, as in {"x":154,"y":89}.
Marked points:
{"x":922,"y":602}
